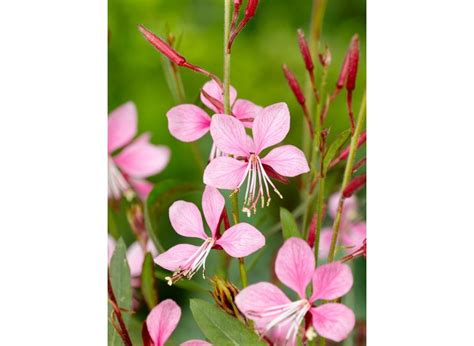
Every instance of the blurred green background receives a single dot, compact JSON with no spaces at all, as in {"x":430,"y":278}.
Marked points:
{"x":135,"y":73}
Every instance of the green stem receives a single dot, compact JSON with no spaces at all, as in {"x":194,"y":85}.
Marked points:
{"x":322,"y":182}
{"x":347,"y":177}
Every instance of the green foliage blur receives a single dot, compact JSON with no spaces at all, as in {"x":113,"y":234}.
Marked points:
{"x":135,"y":73}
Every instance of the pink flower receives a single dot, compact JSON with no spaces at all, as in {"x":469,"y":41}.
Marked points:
{"x":278,"y":318}
{"x":269,"y":127}
{"x":162,"y":321}
{"x":351,"y":233}
{"x":185,"y":260}
{"x":137,"y":159}
{"x":188,"y":122}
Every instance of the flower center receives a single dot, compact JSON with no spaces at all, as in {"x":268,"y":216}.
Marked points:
{"x":291,"y":314}
{"x":257,"y":180}
{"x":117,"y":183}
{"x":193,"y":264}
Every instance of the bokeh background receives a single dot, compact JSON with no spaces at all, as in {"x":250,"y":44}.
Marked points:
{"x":135,"y":73}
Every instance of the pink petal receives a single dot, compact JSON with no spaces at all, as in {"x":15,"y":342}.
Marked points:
{"x":186,"y":220}
{"x":224,"y":173}
{"x":349,"y":210}
{"x":287,"y":160}
{"x":142,"y":159}
{"x":258,"y":298}
{"x":271,"y":126}
{"x":135,"y":257}
{"x":122,"y":126}
{"x":196,"y":343}
{"x":142,"y":187}
{"x":162,"y":321}
{"x":176,"y":257}
{"x":246,"y":111}
{"x":241,"y":240}
{"x":212,"y":205}
{"x":325,"y":242}
{"x":188,"y":122}
{"x":331,"y":281}
{"x":333,"y":321}
{"x":294,"y":265}
{"x":229,"y":135}
{"x":355,"y":236}
{"x":214,"y":90}
{"x":110,"y":247}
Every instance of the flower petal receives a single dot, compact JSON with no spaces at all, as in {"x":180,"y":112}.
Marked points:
{"x":271,"y":126}
{"x":214,"y":90}
{"x":188,"y":122}
{"x":162,"y":321}
{"x":246,"y":111}
{"x":135,"y":257}
{"x":325,"y":242}
{"x":331,"y":281}
{"x":176,"y":256}
{"x":142,"y":159}
{"x":224,"y":173}
{"x":333,"y":321}
{"x":241,"y":240}
{"x":142,"y":187}
{"x":349,"y":210}
{"x":229,"y":135}
{"x":186,"y":220}
{"x":294,"y":265}
{"x":110,"y":247}
{"x":354,"y":237}
{"x":287,"y":160}
{"x":212,"y":205}
{"x":258,"y":298}
{"x":196,"y":343}
{"x":122,"y":126}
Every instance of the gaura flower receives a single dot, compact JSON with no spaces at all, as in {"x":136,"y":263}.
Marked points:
{"x":269,"y":127}
{"x":161,"y":322}
{"x":351,"y":233}
{"x":137,"y":159}
{"x":185,"y":260}
{"x":278,"y":318}
{"x":188,"y":122}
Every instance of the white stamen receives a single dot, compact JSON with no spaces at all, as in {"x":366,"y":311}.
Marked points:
{"x":117,"y":184}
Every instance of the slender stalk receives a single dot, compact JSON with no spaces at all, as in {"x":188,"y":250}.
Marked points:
{"x":347,"y":177}
{"x":319,"y":216}
{"x":227,"y":110}
{"x":123,"y":332}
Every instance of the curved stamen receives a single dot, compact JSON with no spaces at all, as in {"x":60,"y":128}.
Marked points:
{"x":117,"y":184}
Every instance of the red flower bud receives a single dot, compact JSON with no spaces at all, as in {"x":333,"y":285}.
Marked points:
{"x":294,"y":85}
{"x":353,"y":63}
{"x":354,"y":185}
{"x":304,"y":49}
{"x":249,"y":13}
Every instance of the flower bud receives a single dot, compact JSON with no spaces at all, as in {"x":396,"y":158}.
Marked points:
{"x":353,"y":63}
{"x":249,"y":13}
{"x":304,"y":49}
{"x":294,"y":85}
{"x":224,"y":294}
{"x":354,"y":185}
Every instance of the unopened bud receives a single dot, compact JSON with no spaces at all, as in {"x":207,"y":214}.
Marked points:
{"x":354,"y":185}
{"x":249,"y":13}
{"x":353,"y":63}
{"x":294,"y":85}
{"x":224,"y":294}
{"x":304,"y":49}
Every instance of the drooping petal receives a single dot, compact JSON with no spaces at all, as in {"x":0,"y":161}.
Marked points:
{"x":196,"y":343}
{"x":162,"y":321}
{"x":325,"y":242}
{"x":224,"y":173}
{"x":349,"y":209}
{"x":122,"y":126}
{"x":246,"y":111}
{"x":287,"y":160}
{"x":142,"y":159}
{"x":331,"y":281}
{"x":212,"y":205}
{"x":110,"y":247}
{"x":354,"y":237}
{"x":176,"y":256}
{"x":229,"y":135}
{"x":188,"y":122}
{"x":142,"y":187}
{"x":214,"y":90}
{"x":294,"y":265}
{"x":135,"y":257}
{"x":271,"y":126}
{"x":333,"y":321}
{"x":241,"y":240}
{"x":258,"y":298}
{"x":186,"y":219}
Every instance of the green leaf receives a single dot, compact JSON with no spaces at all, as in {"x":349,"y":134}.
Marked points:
{"x":157,"y":203}
{"x":288,"y":224}
{"x":119,"y":272}
{"x":334,"y":148}
{"x":148,"y":282}
{"x":221,"y":328}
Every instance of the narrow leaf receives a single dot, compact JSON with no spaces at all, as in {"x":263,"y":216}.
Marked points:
{"x":288,"y":224}
{"x":148,"y":282}
{"x":221,"y":328}
{"x":334,"y":148}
